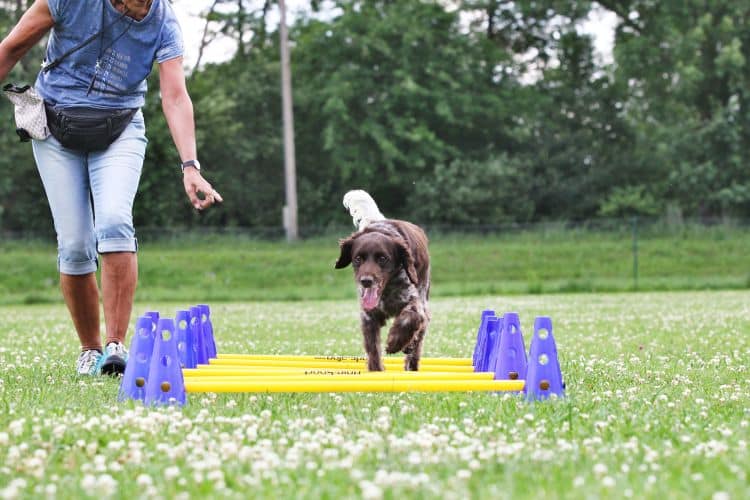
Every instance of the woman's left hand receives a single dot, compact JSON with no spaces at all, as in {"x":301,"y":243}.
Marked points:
{"x":198,"y":189}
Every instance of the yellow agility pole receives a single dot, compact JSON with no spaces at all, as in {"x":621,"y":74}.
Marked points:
{"x":266,"y":386}
{"x":313,"y":373}
{"x":331,"y":364}
{"x":344,"y":359}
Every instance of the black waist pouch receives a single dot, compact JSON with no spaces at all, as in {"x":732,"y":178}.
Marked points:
{"x":87,"y":129}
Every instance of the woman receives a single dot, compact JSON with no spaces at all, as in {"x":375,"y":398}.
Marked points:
{"x":98,"y":56}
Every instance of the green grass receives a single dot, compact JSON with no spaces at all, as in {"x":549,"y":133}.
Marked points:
{"x":225,"y":268}
{"x":657,"y":406}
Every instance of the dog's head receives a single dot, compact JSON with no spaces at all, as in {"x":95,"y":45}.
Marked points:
{"x":376,"y":259}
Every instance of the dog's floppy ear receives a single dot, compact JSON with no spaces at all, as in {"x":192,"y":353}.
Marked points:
{"x":345,"y":258}
{"x":407,"y":260}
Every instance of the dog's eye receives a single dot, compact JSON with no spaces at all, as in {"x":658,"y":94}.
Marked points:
{"x":357,"y":260}
{"x":382,"y":260}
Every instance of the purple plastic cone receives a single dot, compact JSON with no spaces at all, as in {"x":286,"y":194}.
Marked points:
{"x":495,"y":330}
{"x":208,"y":331}
{"x":199,"y":346}
{"x":133,"y":384}
{"x":491,"y":338}
{"x":185,"y":340}
{"x":488,"y":338}
{"x":544,"y":377}
{"x":165,"y":384}
{"x":511,"y":361}
{"x":154,"y":315}
{"x":481,"y":333}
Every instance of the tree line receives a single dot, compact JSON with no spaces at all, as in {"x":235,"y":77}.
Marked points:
{"x":461,"y":113}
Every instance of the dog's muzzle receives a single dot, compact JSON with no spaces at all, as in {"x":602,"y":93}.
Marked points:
{"x":369,"y":293}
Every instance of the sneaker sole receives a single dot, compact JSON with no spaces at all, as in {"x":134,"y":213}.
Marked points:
{"x":114,"y":365}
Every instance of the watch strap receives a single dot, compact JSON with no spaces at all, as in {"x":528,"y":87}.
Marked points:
{"x":190,"y":163}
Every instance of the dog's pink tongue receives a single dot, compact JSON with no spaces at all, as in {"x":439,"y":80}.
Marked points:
{"x":370,"y":298}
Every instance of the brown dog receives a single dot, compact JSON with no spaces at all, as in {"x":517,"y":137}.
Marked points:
{"x":392,"y":271}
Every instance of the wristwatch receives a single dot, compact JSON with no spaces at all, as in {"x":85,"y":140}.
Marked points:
{"x":190,"y":163}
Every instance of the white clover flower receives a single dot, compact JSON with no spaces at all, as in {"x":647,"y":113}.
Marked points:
{"x":88,"y":482}
{"x":215,"y":476}
{"x":115,"y":445}
{"x":171,"y":472}
{"x":600,"y":469}
{"x":370,"y":491}
{"x":16,"y":426}
{"x":34,"y":466}
{"x":14,"y":489}
{"x":144,"y":480}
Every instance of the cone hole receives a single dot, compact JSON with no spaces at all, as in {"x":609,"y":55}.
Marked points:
{"x":194,"y":320}
{"x":140,"y":382}
{"x":544,"y":385}
{"x":166,"y":335}
{"x":182,"y":324}
{"x":512,"y":329}
{"x":181,"y":346}
{"x":543,"y":359}
{"x":144,"y":332}
{"x":165,"y":386}
{"x":543,"y":333}
{"x":166,"y":360}
{"x":204,"y":318}
{"x":513,"y":375}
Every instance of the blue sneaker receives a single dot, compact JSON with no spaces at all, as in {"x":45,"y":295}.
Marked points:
{"x":88,"y":362}
{"x":113,"y":360}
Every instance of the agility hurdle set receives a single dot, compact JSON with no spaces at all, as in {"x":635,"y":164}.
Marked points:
{"x":172,"y":357}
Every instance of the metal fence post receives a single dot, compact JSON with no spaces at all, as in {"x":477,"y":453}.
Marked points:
{"x":634,"y":223}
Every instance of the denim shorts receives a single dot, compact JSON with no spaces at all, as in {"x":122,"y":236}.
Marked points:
{"x":91,"y":196}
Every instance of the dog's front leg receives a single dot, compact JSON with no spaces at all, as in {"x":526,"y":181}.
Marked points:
{"x":411,"y":320}
{"x":371,"y":325}
{"x":413,"y":350}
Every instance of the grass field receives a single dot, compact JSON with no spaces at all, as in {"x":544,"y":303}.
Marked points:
{"x":657,"y":407}
{"x":236,"y":268}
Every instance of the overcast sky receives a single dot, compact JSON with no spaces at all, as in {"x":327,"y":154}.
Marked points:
{"x":600,"y":25}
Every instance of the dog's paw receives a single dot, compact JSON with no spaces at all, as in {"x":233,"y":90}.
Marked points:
{"x":396,"y":343}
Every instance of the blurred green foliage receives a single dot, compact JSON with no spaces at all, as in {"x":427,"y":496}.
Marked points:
{"x":486,"y":112}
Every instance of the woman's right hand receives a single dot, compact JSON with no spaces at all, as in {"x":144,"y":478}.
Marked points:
{"x":33,"y":25}
{"x":198,"y":189}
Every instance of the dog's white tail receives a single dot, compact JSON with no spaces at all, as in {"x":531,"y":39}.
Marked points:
{"x":362,"y":207}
